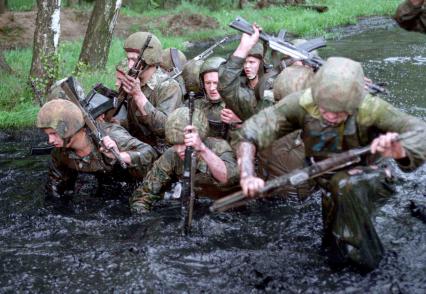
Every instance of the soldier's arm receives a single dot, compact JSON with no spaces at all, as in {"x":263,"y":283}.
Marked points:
{"x":156,"y":181}
{"x":60,"y":177}
{"x":377,"y":113}
{"x":168,"y":97}
{"x":140,"y":155}
{"x":409,"y":15}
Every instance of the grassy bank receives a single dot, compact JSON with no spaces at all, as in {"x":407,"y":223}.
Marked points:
{"x":18,"y":110}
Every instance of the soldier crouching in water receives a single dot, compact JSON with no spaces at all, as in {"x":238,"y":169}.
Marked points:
{"x":75,"y":151}
{"x":411,"y":15}
{"x":335,"y":115}
{"x":216,"y":168}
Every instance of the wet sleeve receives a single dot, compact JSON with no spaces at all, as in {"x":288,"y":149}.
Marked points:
{"x":167,"y":97}
{"x":410,"y":17}
{"x":158,"y":178}
{"x":60,"y":177}
{"x":222,"y":149}
{"x":142,"y":155}
{"x":270,"y":124}
{"x":239,"y":99}
{"x":377,"y":113}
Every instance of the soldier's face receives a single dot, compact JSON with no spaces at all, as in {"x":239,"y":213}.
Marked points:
{"x":251,"y":67}
{"x":333,"y":118}
{"x":211,"y":80}
{"x":132,"y":57}
{"x":54,"y":138}
{"x":180,"y":150}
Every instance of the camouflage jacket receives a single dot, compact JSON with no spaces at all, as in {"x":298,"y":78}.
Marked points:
{"x":410,"y":17}
{"x":66,"y":164}
{"x":217,"y":128}
{"x":234,"y":89}
{"x":169,"y":168}
{"x":164,"y":95}
{"x":298,"y":111}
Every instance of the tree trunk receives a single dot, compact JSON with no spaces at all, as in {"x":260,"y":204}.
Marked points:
{"x":45,"y":65}
{"x":241,"y":4}
{"x":3,"y":6}
{"x":97,"y":41}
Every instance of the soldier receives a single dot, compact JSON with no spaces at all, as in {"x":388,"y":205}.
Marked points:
{"x":216,"y":169}
{"x":220,"y":118}
{"x":411,"y":15}
{"x":172,"y":59}
{"x":75,"y":151}
{"x":335,"y":115}
{"x":153,"y":95}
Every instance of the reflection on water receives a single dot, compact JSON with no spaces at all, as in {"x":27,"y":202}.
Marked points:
{"x":96,"y":245}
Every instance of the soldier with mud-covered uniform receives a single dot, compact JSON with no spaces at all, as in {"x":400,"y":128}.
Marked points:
{"x":153,"y":96}
{"x":335,"y":114}
{"x":216,"y":172}
{"x":77,"y":152}
{"x":221,"y":119}
{"x":411,"y":15}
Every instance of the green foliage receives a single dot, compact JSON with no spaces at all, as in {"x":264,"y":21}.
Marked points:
{"x":18,"y":108}
{"x":21,"y":5}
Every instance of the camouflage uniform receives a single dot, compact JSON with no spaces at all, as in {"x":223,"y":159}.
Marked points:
{"x":66,"y":164}
{"x":169,"y":167}
{"x":163,"y":94}
{"x":410,"y":17}
{"x":346,"y":205}
{"x":217,"y":128}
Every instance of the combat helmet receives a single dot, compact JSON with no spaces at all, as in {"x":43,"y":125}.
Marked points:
{"x":179,"y":119}
{"x":56,"y":92}
{"x":339,"y":85}
{"x":152,"y":54}
{"x":257,"y":51}
{"x":190,"y":74}
{"x":210,"y":65}
{"x":61,"y":115}
{"x":292,"y":79}
{"x":167,"y":61}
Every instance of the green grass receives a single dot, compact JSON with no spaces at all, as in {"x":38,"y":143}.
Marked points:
{"x":18,"y":110}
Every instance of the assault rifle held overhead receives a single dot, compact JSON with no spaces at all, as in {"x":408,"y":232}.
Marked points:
{"x":96,"y":130}
{"x":202,"y":56}
{"x":296,"y":52}
{"x":189,"y":165}
{"x":300,"y":176}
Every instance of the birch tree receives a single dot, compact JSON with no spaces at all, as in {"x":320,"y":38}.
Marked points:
{"x":96,"y":44}
{"x":45,"y":65}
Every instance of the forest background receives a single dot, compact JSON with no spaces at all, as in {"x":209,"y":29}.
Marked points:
{"x":179,"y":24}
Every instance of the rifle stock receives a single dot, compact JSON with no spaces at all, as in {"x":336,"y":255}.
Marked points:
{"x":300,"y":176}
{"x":188,"y":196}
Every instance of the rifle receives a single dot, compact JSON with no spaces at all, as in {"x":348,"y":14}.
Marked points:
{"x":96,"y":130}
{"x":203,"y":55}
{"x":296,"y":52}
{"x":189,"y":165}
{"x":134,"y":72}
{"x":300,"y":176}
{"x":41,"y":150}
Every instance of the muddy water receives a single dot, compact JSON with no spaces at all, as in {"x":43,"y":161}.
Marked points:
{"x":95,"y":245}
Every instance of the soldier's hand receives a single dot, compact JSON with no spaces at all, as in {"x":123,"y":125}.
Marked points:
{"x":192,"y":138}
{"x":388,"y":147}
{"x":109,"y":144}
{"x":251,"y":185}
{"x":247,"y":42}
{"x":131,"y":86}
{"x":417,"y":2}
{"x":229,"y":117}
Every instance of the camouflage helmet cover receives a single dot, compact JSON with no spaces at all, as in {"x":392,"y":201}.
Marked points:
{"x":61,"y":115}
{"x":210,"y":65}
{"x":292,"y":79}
{"x":190,"y":75}
{"x":339,"y":85}
{"x":166,"y":59}
{"x":152,"y":54}
{"x":56,"y":92}
{"x":179,"y":119}
{"x":257,"y":51}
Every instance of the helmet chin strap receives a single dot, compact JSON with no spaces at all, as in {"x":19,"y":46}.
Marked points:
{"x":251,"y":77}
